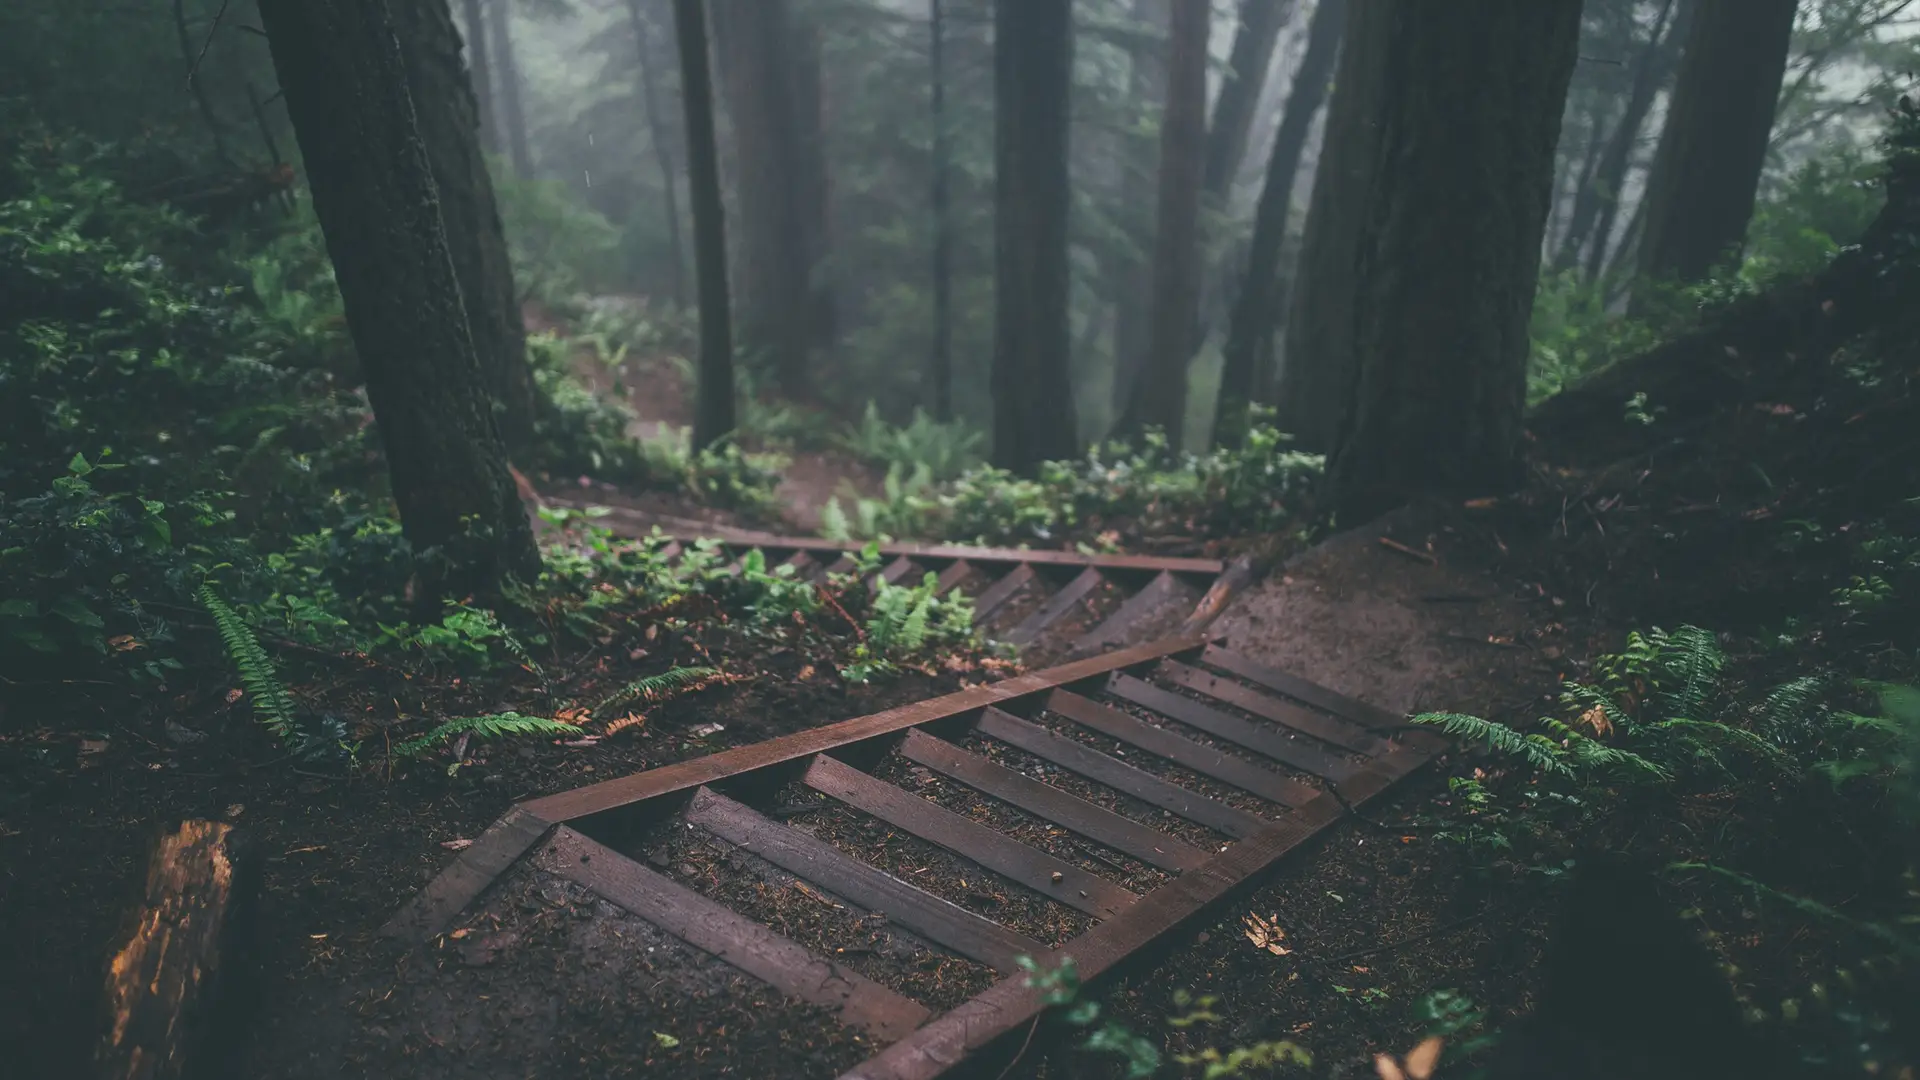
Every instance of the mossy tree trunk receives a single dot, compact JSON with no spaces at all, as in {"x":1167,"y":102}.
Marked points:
{"x":341,"y":68}
{"x":446,"y":113}
{"x":1033,"y":413}
{"x":1436,"y":246}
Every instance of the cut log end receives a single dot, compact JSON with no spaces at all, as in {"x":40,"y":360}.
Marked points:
{"x":165,"y":982}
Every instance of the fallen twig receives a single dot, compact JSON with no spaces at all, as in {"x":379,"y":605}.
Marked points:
{"x":1412,"y":553}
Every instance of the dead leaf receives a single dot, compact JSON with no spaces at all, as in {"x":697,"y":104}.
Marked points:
{"x":632,"y":719}
{"x":576,"y":716}
{"x":1487,"y":503}
{"x":457,"y":845}
{"x":236,"y":810}
{"x":804,"y":674}
{"x":1596,"y":721}
{"x":1422,"y":1060}
{"x":1266,"y":934}
{"x":701,"y":731}
{"x":235,"y":694}
{"x":124,"y":643}
{"x":814,"y":894}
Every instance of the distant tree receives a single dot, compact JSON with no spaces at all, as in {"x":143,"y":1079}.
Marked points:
{"x":1431,"y":203}
{"x":1263,"y":295}
{"x":345,"y":80}
{"x":942,"y":366}
{"x":1160,"y":395}
{"x":1706,"y":174}
{"x":513,"y":117}
{"x":1139,"y":164}
{"x":755,"y":45}
{"x":662,"y":146}
{"x":482,"y":70}
{"x":1597,"y":202}
{"x":1033,"y":414}
{"x":444,"y":108}
{"x":713,"y":395}
{"x":1239,"y":95}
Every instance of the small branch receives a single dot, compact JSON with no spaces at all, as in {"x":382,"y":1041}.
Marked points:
{"x":1412,"y":553}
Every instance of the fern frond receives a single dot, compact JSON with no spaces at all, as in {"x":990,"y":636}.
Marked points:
{"x":1791,"y":702}
{"x":1535,"y":750}
{"x":1693,"y":657}
{"x":272,"y":704}
{"x":492,"y":726}
{"x":1591,"y":755}
{"x":656,"y":688}
{"x":833,"y":521}
{"x":513,"y":645}
{"x":1695,"y":731}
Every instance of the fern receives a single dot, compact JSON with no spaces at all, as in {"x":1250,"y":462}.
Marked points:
{"x":833,"y":521}
{"x":492,"y":726}
{"x":1693,"y":657}
{"x":272,"y":704}
{"x":1538,"y":751}
{"x":1792,"y":702}
{"x":656,"y":686}
{"x":1697,"y":733}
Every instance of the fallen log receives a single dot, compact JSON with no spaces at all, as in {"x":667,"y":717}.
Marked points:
{"x":169,"y":987}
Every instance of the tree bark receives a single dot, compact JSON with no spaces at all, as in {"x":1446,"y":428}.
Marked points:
{"x":171,"y":987}
{"x":1132,"y":322}
{"x":1160,"y":395}
{"x":1590,"y":225}
{"x":662,"y":147}
{"x":345,"y":81}
{"x":1443,"y":233}
{"x":445,"y":111}
{"x":753,"y":39}
{"x":816,"y":195}
{"x":482,"y":70}
{"x":942,"y":368}
{"x":1033,"y":415}
{"x":1706,"y":173}
{"x":713,"y":404}
{"x":1264,"y":291}
{"x":1239,"y":96}
{"x":513,"y":117}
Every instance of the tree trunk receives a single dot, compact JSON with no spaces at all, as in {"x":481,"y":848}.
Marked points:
{"x":713,"y":405}
{"x":445,"y":111}
{"x":482,"y":70}
{"x":662,"y":147}
{"x":1147,"y":89}
{"x":1706,"y":173}
{"x":1456,"y":152}
{"x":1239,"y":96}
{"x":513,"y":118}
{"x":1598,"y":201}
{"x":1033,"y":417}
{"x":171,"y":987}
{"x":753,"y":39}
{"x":942,"y":373}
{"x":1264,"y":292}
{"x":345,"y":82}
{"x":1160,"y":395}
{"x":816,"y":195}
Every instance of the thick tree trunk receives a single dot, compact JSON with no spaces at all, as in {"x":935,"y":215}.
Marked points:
{"x":171,"y":986}
{"x":1033,"y":416}
{"x":1443,"y":239}
{"x":1160,"y":395}
{"x":1147,"y":89}
{"x":1239,"y":96}
{"x":445,"y":110}
{"x":513,"y":118}
{"x":662,"y":146}
{"x":482,"y":69}
{"x":942,"y":367}
{"x":1590,"y":225}
{"x":345,"y":82}
{"x":1706,"y":173}
{"x":1264,"y":291}
{"x":713,"y":405}
{"x":816,"y":195}
{"x":753,"y":39}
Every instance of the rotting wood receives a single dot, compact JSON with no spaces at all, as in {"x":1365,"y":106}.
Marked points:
{"x":169,"y":984}
{"x":1067,"y":810}
{"x":706,"y":925}
{"x":1181,"y":750}
{"x":1059,"y":881}
{"x":1117,"y":774}
{"x":821,"y":863}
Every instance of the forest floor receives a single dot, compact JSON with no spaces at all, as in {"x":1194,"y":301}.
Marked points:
{"x":1482,"y":609}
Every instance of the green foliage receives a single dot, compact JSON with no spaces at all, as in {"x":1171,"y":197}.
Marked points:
{"x":1060,"y":988}
{"x":924,"y":447}
{"x":907,"y":621}
{"x":561,"y":248}
{"x":1261,"y":487}
{"x":272,"y":704}
{"x":494,"y":726}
